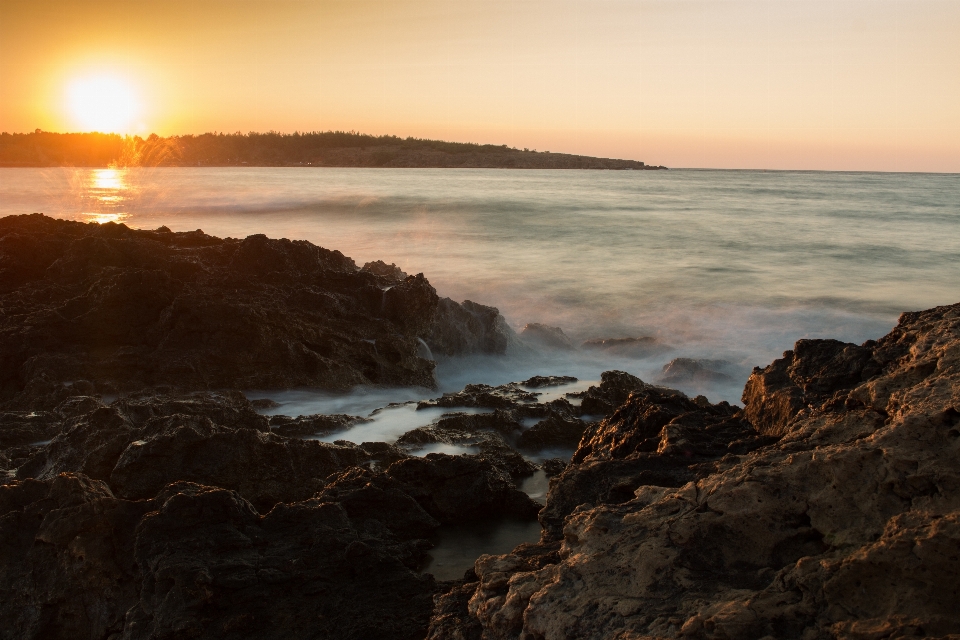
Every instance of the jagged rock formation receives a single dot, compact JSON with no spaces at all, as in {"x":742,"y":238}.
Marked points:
{"x":689,"y":370}
{"x":160,"y":516}
{"x":132,"y":309}
{"x":91,"y":308}
{"x":469,"y":327}
{"x":845,"y":525}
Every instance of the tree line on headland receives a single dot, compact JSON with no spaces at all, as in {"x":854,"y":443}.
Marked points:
{"x":272,"y":149}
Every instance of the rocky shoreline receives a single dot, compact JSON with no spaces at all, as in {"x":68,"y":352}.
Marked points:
{"x":142,"y":495}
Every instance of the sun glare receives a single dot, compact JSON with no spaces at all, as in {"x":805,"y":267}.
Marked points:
{"x":102,"y":103}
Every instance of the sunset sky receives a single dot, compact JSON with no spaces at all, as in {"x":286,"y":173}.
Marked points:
{"x":779,"y":84}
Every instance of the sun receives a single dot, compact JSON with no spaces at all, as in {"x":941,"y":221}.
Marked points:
{"x":102,"y":103}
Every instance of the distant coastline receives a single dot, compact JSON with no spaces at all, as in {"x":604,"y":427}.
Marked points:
{"x":314,"y":149}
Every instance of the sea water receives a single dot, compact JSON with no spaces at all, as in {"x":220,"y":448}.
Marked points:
{"x":730,"y":266}
{"x":723,"y":265}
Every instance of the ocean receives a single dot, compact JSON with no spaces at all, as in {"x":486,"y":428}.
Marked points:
{"x":730,"y":267}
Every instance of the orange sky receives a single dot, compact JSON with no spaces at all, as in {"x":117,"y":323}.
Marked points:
{"x":801,"y":84}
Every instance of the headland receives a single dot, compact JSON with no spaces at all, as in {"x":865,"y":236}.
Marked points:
{"x":313,"y":149}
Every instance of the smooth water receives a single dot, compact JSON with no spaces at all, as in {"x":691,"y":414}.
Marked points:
{"x":731,"y":265}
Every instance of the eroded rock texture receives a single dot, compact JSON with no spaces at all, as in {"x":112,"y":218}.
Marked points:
{"x":91,"y":308}
{"x":132,"y":309}
{"x":184,"y":516}
{"x":838,"y":517}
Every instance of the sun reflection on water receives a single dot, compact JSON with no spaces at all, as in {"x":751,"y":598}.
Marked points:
{"x":105,"y":196}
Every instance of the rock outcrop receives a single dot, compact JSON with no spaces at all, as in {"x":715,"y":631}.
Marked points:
{"x":694,"y":371}
{"x":828,"y":508}
{"x":134,"y":309}
{"x":197,"y":561}
{"x":468,"y":327}
{"x":545,"y":336}
{"x":91,"y":308}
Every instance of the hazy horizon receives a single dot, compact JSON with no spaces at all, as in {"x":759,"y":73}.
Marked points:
{"x":798,"y":84}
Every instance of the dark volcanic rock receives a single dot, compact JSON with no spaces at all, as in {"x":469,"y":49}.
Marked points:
{"x":459,"y":329}
{"x":546,"y":336}
{"x":461,"y":488}
{"x":135,"y":309}
{"x":492,"y":436}
{"x":213,"y":567}
{"x":557,"y":432}
{"x":140,"y":445}
{"x":614,"y":389}
{"x":377,"y":501}
{"x":19,"y":428}
{"x":451,"y":617}
{"x":313,"y":425}
{"x":264,"y":468}
{"x":537,"y":382}
{"x":391,"y":272}
{"x":66,"y":559}
{"x":505,"y":396}
{"x":202,"y":562}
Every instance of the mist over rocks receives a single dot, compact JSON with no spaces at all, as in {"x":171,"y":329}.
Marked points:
{"x":546,"y":336}
{"x":642,"y":347}
{"x":834,"y":516}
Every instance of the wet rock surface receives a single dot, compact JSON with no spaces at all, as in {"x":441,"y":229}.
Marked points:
{"x":834,"y":516}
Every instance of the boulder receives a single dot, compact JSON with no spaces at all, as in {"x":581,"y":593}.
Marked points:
{"x":467,"y":328}
{"x":456,"y":489}
{"x":691,"y":371}
{"x":546,"y":337}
